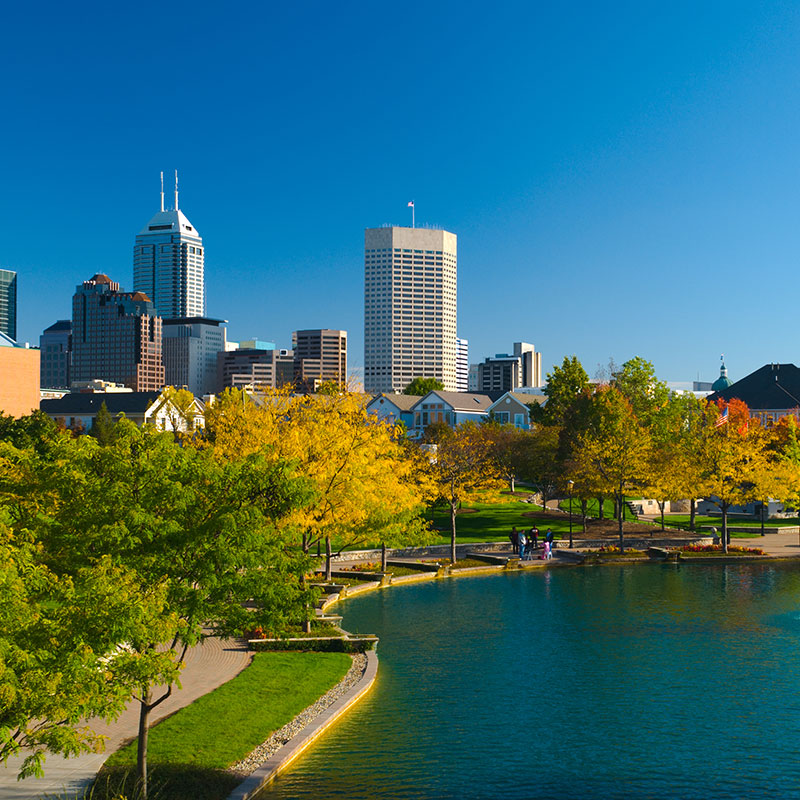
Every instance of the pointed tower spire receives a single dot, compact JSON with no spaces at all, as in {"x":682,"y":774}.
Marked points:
{"x":162,"y":190}
{"x":176,"y":190}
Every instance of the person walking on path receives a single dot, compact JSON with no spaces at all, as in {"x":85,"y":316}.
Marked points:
{"x":514,"y":536}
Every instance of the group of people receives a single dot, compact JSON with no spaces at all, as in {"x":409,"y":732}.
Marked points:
{"x":525,"y":543}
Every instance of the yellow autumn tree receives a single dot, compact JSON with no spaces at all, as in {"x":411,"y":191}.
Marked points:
{"x":612,"y":455}
{"x":462,"y":465}
{"x":367,"y":485}
{"x":732,"y":458}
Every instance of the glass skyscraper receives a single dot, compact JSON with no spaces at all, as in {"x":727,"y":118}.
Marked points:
{"x":8,"y":303}
{"x":168,"y":264}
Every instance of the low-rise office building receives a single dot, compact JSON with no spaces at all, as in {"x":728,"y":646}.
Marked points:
{"x":190,"y":346}
{"x":256,"y":368}
{"x":19,"y":378}
{"x":507,"y":372}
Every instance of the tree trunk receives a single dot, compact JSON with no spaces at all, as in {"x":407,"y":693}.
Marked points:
{"x":601,"y":508}
{"x":618,"y":501}
{"x":307,"y":620}
{"x":328,"y":559}
{"x":584,"y":504}
{"x":383,"y":556}
{"x":661,"y":506}
{"x":763,"y":503}
{"x":511,"y":483}
{"x":141,"y":749}
{"x":692,"y":513}
{"x":725,"y":527}
{"x":453,"y":532}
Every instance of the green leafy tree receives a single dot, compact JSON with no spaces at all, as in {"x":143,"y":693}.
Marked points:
{"x":564,"y":385}
{"x":199,"y":529}
{"x":636,"y":380}
{"x":463,"y":465}
{"x":421,"y":386}
{"x":509,"y":446}
{"x":103,"y":426}
{"x":58,"y":640}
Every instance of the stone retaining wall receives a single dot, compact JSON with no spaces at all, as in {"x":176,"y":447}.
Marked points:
{"x":754,"y":528}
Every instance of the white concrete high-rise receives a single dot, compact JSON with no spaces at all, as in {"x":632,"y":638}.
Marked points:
{"x":409,"y":307}
{"x":462,"y":365}
{"x":168,"y":263}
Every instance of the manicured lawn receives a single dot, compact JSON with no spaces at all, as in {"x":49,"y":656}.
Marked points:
{"x":493,"y":521}
{"x":592,"y":507}
{"x":189,"y":751}
{"x":682,"y":521}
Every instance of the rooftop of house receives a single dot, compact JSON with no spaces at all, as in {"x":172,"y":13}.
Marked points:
{"x":404,"y":402}
{"x":773,"y":386}
{"x":88,"y":403}
{"x":464,"y":401}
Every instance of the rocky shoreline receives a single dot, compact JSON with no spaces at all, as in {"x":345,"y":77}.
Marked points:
{"x":280,"y":737}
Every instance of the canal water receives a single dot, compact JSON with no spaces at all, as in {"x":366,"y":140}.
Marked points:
{"x":636,"y":681}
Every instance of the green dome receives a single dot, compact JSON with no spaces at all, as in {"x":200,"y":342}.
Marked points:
{"x":723,"y":382}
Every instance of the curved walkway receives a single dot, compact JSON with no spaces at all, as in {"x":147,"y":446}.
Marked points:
{"x":208,"y":666}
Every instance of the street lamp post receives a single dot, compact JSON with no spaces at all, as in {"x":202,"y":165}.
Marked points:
{"x":570,"y":484}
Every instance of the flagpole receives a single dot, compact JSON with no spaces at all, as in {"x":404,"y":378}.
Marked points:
{"x":413,"y":225}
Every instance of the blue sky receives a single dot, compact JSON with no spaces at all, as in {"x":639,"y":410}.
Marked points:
{"x":624,"y":178}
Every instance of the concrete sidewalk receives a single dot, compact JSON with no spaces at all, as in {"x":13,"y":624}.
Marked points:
{"x":208,"y":666}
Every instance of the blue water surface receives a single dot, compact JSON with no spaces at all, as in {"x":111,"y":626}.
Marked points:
{"x":640,"y":681}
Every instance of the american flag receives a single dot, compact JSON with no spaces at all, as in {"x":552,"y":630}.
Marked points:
{"x":722,"y":418}
{"x":411,"y":204}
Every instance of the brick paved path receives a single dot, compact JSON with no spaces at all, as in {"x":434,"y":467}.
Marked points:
{"x":208,"y":665}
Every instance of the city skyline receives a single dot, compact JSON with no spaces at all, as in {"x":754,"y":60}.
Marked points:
{"x":618,"y":180}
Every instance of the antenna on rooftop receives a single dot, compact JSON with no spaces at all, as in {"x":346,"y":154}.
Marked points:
{"x":162,"y":189}
{"x":176,"y":190}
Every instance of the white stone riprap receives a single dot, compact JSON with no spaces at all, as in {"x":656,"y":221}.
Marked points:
{"x":280,"y":737}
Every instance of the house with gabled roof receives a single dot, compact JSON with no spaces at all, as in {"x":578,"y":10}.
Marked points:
{"x":78,"y":410}
{"x":394,"y":407}
{"x":512,"y":408}
{"x":451,"y":408}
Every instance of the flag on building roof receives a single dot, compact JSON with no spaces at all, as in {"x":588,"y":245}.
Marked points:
{"x":722,"y":418}
{"x":411,"y":204}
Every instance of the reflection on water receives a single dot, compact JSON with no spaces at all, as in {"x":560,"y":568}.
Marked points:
{"x":629,"y":682}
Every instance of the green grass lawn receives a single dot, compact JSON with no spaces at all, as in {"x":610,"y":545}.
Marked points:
{"x":682,"y":521}
{"x":190,"y":750}
{"x":592,"y":506}
{"x":492,"y":522}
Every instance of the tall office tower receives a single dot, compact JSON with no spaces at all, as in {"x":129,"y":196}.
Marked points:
{"x":116,"y":336}
{"x":320,"y":355}
{"x":462,"y":365}
{"x":504,"y":372}
{"x":189,"y":347}
{"x":8,"y":303}
{"x":168,"y":261}
{"x":55,"y":345}
{"x":409,"y":307}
